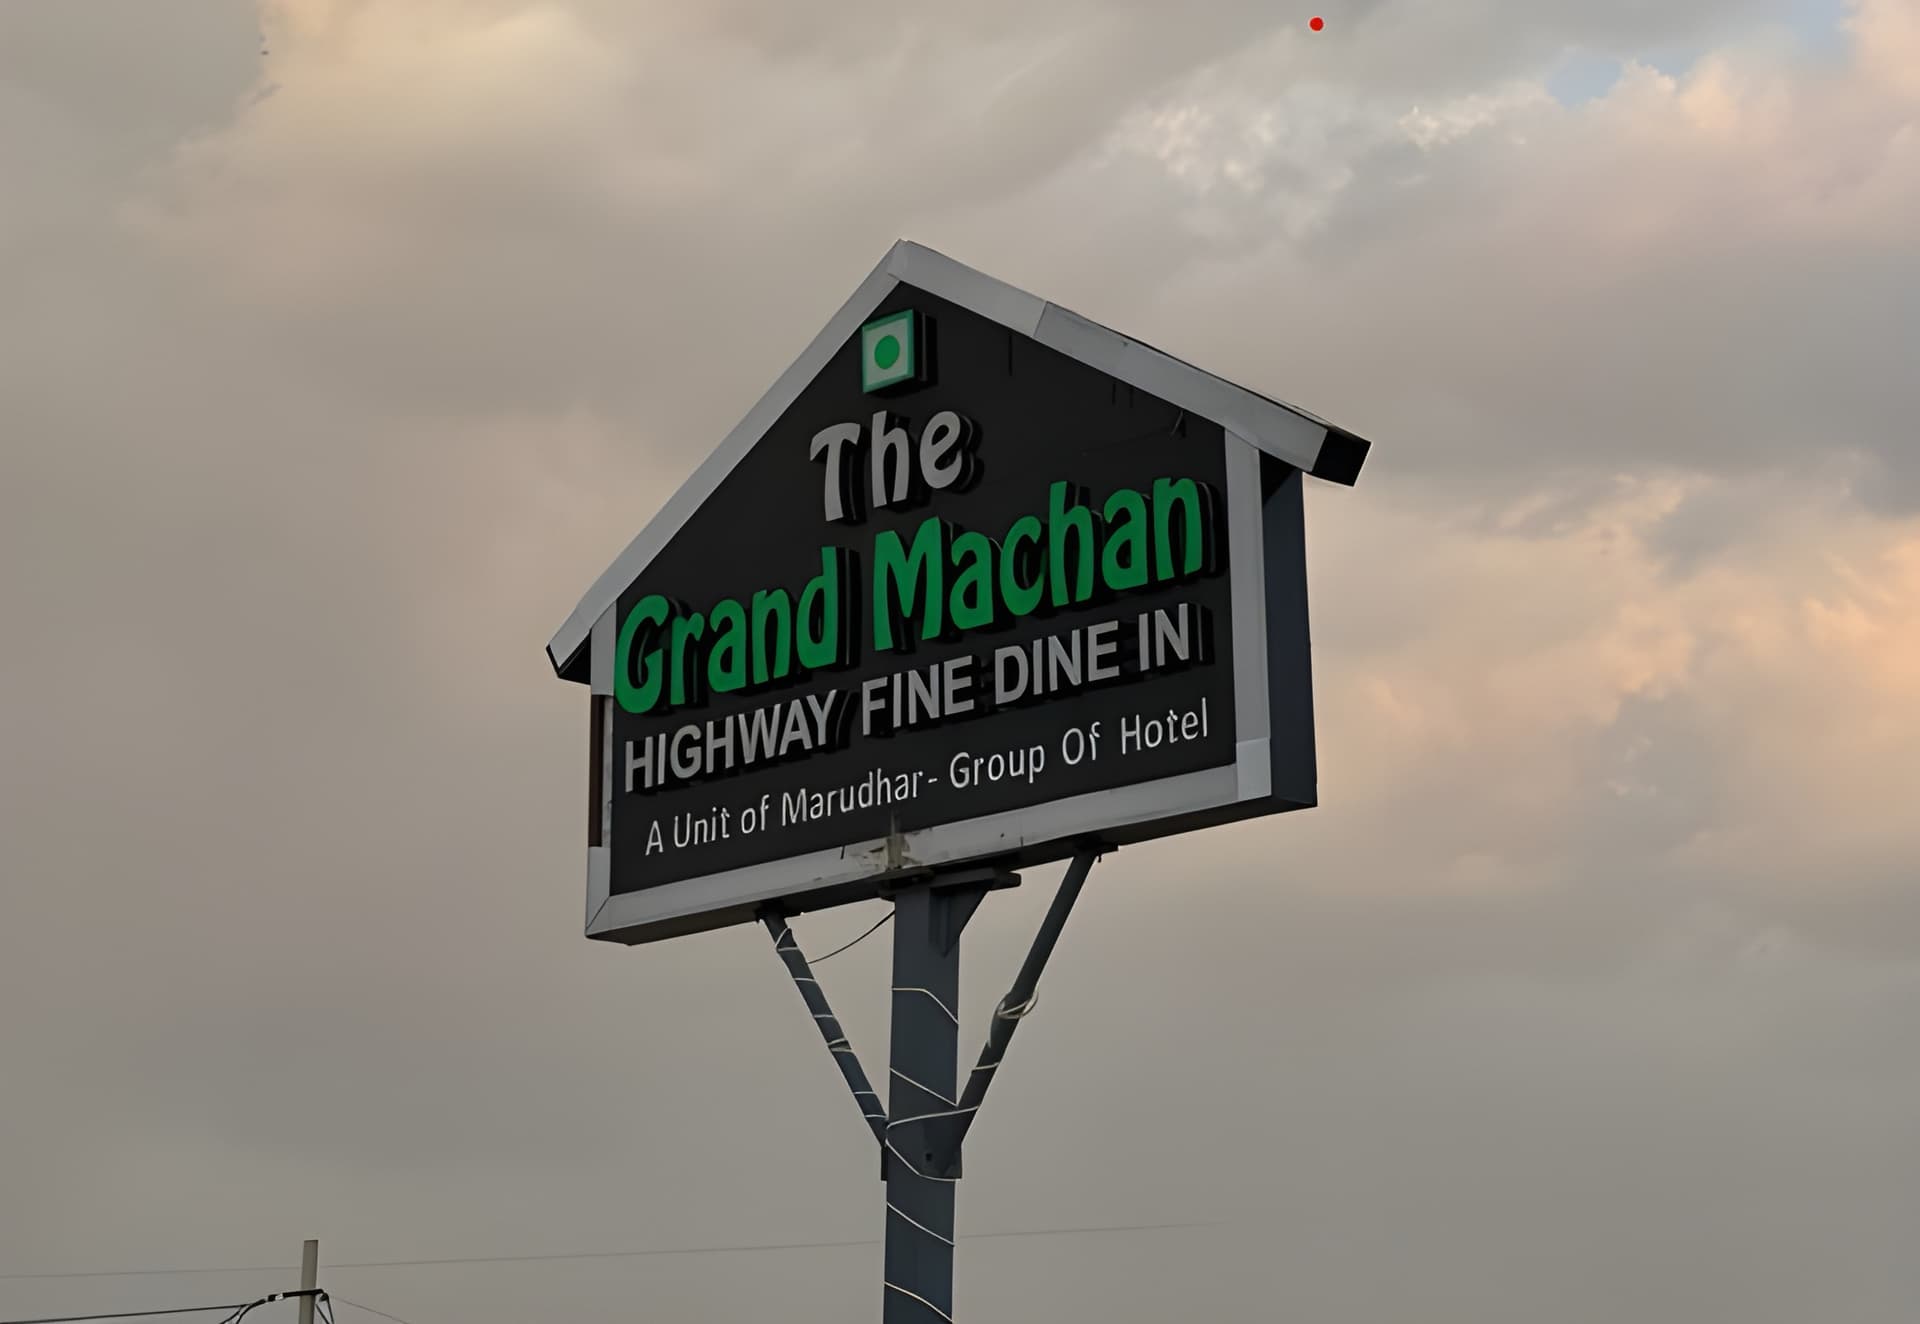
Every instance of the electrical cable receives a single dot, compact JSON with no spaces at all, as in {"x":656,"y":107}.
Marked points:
{"x":368,"y":1309}
{"x":856,"y":942}
{"x":157,"y":1273}
{"x":243,"y":1311}
{"x":744,"y":1249}
{"x":648,"y":1253}
{"x":234,"y":1312}
{"x":126,"y":1314}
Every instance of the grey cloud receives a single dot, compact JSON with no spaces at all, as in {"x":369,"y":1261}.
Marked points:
{"x":290,"y":806}
{"x":135,"y":76}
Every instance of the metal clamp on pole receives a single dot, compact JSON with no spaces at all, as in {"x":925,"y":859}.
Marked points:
{"x":1023,"y":995}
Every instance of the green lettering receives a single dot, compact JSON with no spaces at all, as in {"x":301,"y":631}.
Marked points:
{"x":1065,"y":520}
{"x":650,"y":610}
{"x":823,"y":631}
{"x":1021,"y":599}
{"x":727,"y":663}
{"x":686,"y":630}
{"x":1196,"y":533}
{"x":1128,"y":536}
{"x":772,"y":613}
{"x":906,"y":583}
{"x":973,"y":606}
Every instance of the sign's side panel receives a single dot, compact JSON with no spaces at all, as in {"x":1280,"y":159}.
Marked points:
{"x":1289,"y":640}
{"x":1027,"y":600}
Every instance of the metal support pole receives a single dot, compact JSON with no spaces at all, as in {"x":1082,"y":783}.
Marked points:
{"x":849,"y":1062}
{"x":927,"y":1118}
{"x":309,"y":1278}
{"x":925,"y":1043}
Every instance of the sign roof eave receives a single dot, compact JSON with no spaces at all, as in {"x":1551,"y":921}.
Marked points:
{"x":1284,"y":431}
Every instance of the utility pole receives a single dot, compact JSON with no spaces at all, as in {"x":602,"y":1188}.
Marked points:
{"x":309,"y":1278}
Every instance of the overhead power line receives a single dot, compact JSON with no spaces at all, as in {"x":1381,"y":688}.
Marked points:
{"x":233,"y":1313}
{"x":158,"y":1273}
{"x":650,"y":1253}
{"x":367,"y":1309}
{"x":132,"y":1314}
{"x":756,"y":1247}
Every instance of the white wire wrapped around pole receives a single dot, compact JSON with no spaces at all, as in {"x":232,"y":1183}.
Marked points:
{"x":843,"y":1055}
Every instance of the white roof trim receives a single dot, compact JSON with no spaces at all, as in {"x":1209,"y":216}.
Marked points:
{"x":1287,"y":433}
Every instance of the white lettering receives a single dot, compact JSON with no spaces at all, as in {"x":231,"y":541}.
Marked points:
{"x":966,"y":770}
{"x":1138,"y":732}
{"x":756,"y":740}
{"x":873,"y":699}
{"x":943,"y":449}
{"x":832,"y":442}
{"x":1009,"y":673}
{"x":958,"y":674}
{"x":685,"y":755}
{"x":890,"y":442}
{"x":822,"y":706}
{"x":795,"y":730}
{"x":1102,"y":645}
{"x":641,"y":763}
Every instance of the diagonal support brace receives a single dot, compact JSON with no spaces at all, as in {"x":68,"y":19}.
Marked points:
{"x":843,"y":1055}
{"x":1019,"y":1000}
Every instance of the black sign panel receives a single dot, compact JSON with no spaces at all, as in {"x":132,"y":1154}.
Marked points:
{"x":1000,"y":582}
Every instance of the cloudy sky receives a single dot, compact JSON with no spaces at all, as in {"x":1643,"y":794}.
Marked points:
{"x":343,"y":342}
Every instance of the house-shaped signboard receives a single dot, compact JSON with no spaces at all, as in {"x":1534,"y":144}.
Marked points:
{"x":978,"y":581}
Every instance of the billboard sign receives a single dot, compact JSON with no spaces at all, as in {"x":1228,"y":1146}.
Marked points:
{"x":977,"y":581}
